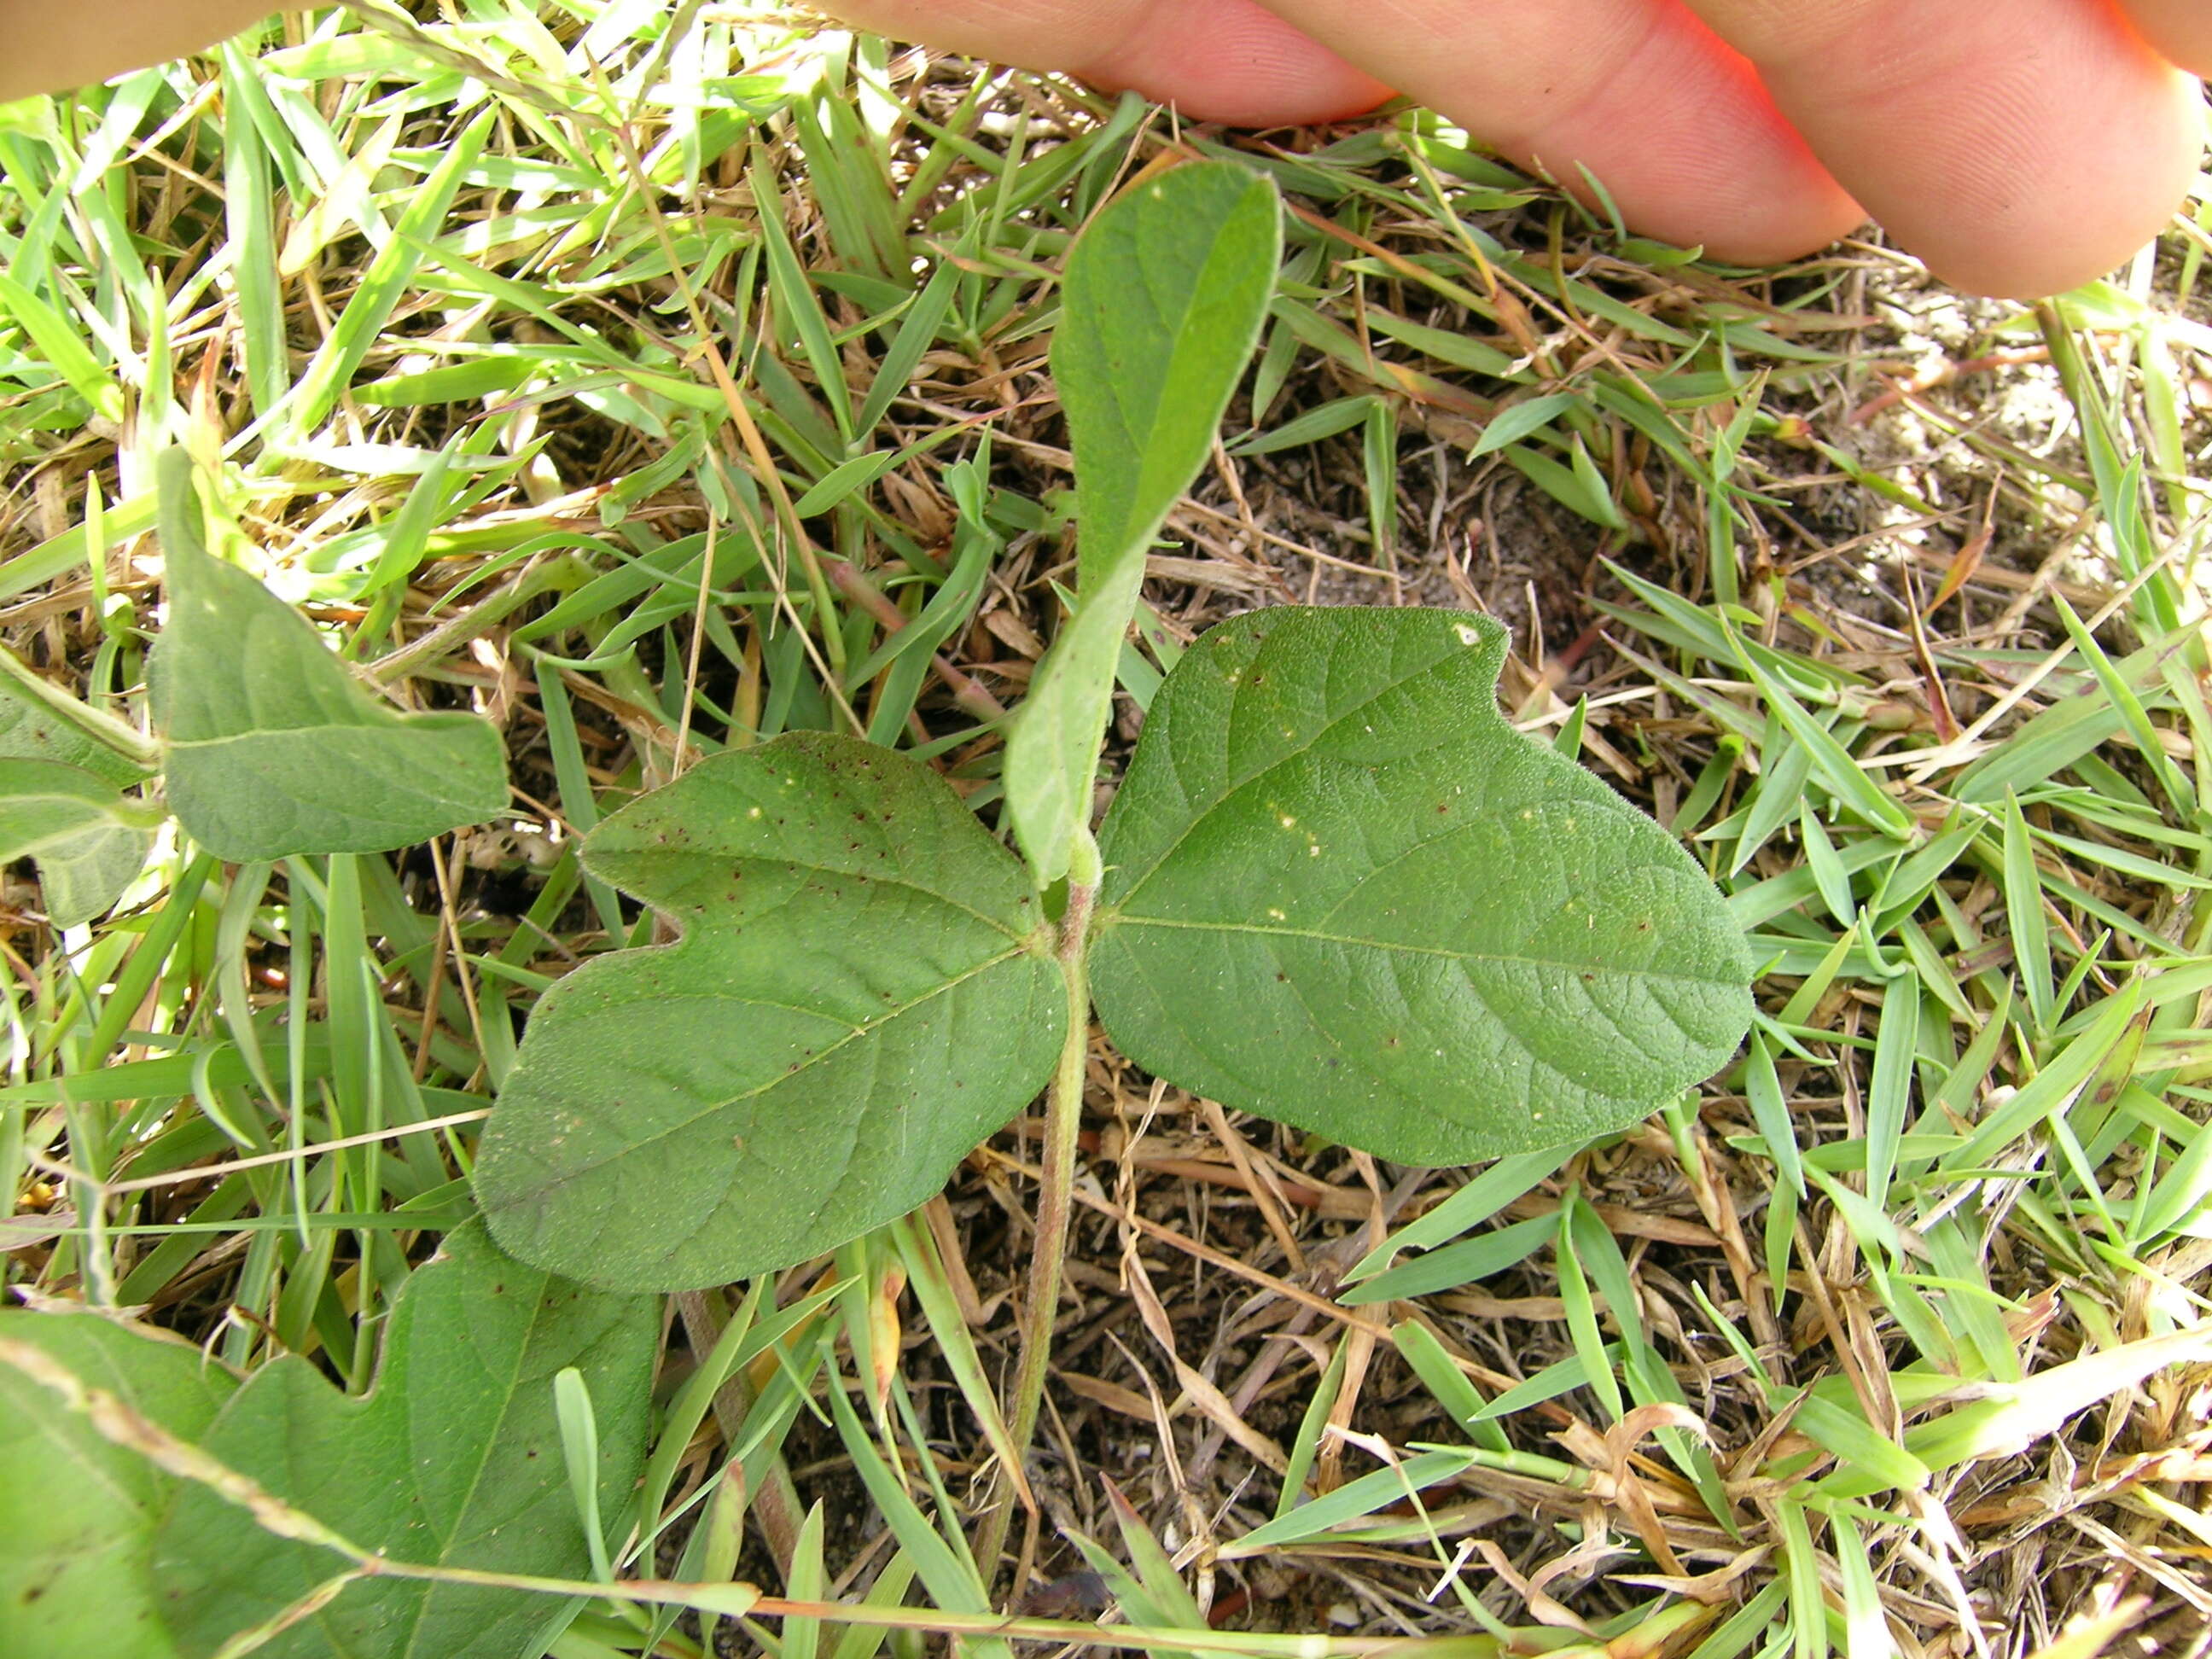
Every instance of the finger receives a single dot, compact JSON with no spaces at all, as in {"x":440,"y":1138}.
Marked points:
{"x":2018,"y":149}
{"x":1674,"y":125}
{"x":1215,"y":60}
{"x":45,"y":48}
{"x":2180,"y":29}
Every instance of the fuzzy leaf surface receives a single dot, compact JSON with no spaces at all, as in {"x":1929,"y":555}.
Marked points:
{"x":863,"y":991}
{"x":30,"y":732}
{"x":1161,"y":307}
{"x":274,"y":747}
{"x":89,"y":841}
{"x":454,"y":1458}
{"x":1341,"y":892}
{"x":76,"y":1512}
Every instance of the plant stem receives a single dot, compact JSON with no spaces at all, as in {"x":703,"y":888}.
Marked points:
{"x":1055,"y":1204}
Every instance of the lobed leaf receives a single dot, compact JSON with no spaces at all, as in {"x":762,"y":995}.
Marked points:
{"x":76,"y":1511}
{"x":1341,"y":892}
{"x":273,"y":748}
{"x":455,"y":1458}
{"x":1162,"y":304}
{"x":864,"y":990}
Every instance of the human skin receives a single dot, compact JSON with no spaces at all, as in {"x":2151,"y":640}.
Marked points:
{"x":2018,"y":147}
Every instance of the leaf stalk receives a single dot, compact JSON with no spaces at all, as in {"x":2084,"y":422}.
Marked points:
{"x":1055,"y":1201}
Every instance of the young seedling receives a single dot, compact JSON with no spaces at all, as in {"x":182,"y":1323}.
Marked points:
{"x":1335,"y":889}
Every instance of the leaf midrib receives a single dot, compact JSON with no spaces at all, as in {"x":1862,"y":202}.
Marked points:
{"x":859,"y":877}
{"x":630,"y":1148}
{"x":1122,"y":919}
{"x":1206,"y":811}
{"x":377,"y":722}
{"x":374,"y":1402}
{"x":475,"y":1480}
{"x":1139,"y":460}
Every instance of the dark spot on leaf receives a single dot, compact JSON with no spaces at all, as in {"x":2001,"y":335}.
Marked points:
{"x":1281,"y":978}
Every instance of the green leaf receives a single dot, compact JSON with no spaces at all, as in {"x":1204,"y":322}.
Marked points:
{"x":58,"y":343}
{"x":1160,"y":309}
{"x":90,"y":842}
{"x":454,"y":1459}
{"x":1521,"y":420}
{"x":864,"y":990}
{"x":1343,"y":893}
{"x":31,"y":731}
{"x":273,"y":748}
{"x":77,"y":1512}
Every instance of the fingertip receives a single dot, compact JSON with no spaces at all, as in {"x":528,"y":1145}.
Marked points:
{"x":2018,"y":151}
{"x":2067,"y":212}
{"x":1803,"y":230}
{"x":1720,"y":170}
{"x":2180,"y":30}
{"x":1232,"y":62}
{"x":1796,"y":216}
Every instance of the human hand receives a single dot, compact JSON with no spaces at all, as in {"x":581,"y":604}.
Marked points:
{"x":2017,"y":147}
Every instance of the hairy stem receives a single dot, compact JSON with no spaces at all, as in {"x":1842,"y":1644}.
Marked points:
{"x":1056,"y":1203}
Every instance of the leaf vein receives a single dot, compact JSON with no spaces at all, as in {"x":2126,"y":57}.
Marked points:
{"x":1200,"y":814}
{"x":630,"y":1148}
{"x":1124,"y":919}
